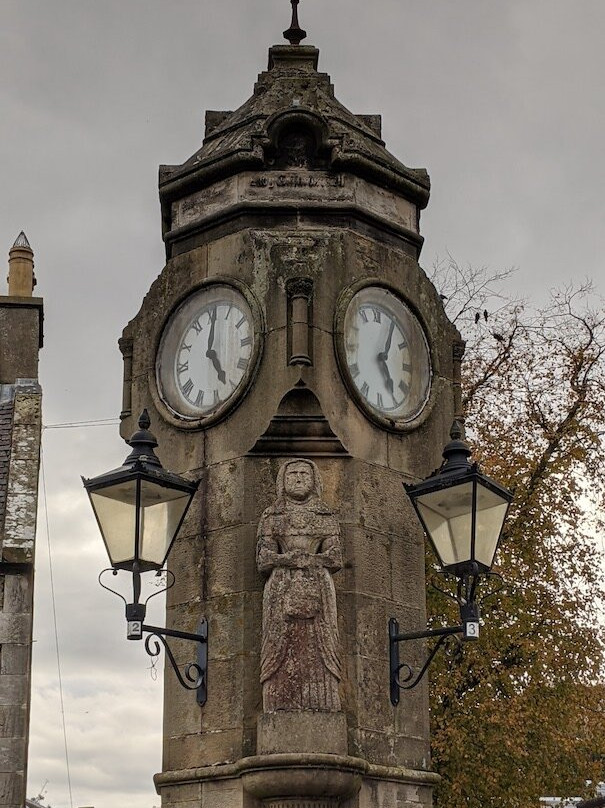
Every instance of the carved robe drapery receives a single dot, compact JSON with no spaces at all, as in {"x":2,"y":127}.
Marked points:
{"x":299,"y":548}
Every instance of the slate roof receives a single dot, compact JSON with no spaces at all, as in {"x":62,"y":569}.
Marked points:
{"x":6,"y":428}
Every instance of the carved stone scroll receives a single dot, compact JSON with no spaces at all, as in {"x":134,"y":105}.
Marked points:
{"x":299,"y":549}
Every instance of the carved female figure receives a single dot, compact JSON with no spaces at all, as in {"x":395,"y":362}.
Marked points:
{"x":299,"y":548}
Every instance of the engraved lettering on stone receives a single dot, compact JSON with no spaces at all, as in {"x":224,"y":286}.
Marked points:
{"x":299,"y":549}
{"x":298,"y":180}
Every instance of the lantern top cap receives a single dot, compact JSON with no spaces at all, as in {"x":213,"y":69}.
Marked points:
{"x":143,"y":443}
{"x":457,"y":452}
{"x":295,"y":34}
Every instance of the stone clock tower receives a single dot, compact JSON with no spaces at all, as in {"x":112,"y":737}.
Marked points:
{"x":294,"y":356}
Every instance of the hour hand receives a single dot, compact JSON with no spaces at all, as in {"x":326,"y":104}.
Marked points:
{"x":388,"y":381}
{"x":211,"y":354}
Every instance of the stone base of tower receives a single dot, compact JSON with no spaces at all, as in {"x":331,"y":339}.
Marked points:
{"x":297,"y":781}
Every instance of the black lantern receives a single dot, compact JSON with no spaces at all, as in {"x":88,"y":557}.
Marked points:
{"x":462,"y":512}
{"x":140,"y":508}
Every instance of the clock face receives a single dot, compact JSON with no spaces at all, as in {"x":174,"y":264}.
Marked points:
{"x":206,"y":352}
{"x":387,"y":357}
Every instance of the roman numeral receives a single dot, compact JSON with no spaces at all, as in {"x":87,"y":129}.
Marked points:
{"x":376,"y":313}
{"x":182,"y":368}
{"x":187,"y":388}
{"x":354,"y":370}
{"x":242,"y":363}
{"x":402,"y":345}
{"x":365,"y":389}
{"x":245,"y":341}
{"x":404,"y":387}
{"x":406,"y":367}
{"x":363,"y":315}
{"x":232,"y":383}
{"x":216,"y":398}
{"x":379,"y":400}
{"x":197,"y":326}
{"x":228,"y":312}
{"x":199,"y":398}
{"x":185,"y":347}
{"x":240,"y":323}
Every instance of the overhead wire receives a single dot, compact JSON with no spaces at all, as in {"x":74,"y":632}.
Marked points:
{"x":56,"y":631}
{"x":75,"y":424}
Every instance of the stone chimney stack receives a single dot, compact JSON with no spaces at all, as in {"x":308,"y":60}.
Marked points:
{"x":21,"y":317}
{"x":21,"y":278}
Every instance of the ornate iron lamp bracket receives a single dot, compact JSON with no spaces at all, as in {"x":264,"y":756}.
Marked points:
{"x":195,"y":674}
{"x":401,"y":673}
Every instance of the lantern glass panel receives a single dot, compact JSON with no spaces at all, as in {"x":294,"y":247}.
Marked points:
{"x":491,"y":512}
{"x":447,"y":516}
{"x":115,"y":509}
{"x":161,"y":512}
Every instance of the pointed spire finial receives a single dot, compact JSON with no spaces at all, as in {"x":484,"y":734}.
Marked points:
{"x":295,"y":33}
{"x":21,"y":241}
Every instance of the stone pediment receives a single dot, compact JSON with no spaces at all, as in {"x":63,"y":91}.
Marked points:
{"x":299,"y":428}
{"x":292,"y":120}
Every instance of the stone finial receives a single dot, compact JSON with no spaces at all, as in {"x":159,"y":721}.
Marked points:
{"x":21,"y":278}
{"x":21,"y":241}
{"x":295,"y":34}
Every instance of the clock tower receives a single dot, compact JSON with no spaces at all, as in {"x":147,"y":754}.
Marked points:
{"x":294,"y":357}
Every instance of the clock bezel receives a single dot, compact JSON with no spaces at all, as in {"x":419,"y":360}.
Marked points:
{"x":391,"y":424}
{"x":195,"y":422}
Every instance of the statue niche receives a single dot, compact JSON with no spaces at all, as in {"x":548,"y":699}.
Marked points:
{"x":298,"y":549}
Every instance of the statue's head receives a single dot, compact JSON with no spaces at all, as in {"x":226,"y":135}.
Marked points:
{"x":298,"y":480}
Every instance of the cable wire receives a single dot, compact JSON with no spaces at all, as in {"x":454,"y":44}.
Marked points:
{"x":54,"y":612}
{"x":77,"y":424}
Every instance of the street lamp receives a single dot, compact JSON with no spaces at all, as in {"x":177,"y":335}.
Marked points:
{"x":462,"y":512}
{"x":140,"y":508}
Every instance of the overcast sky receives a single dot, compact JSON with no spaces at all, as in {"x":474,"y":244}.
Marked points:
{"x":502,"y":102}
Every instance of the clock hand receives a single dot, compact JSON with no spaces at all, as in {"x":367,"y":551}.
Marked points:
{"x":211,"y":334}
{"x":382,"y":361}
{"x":217,"y":366}
{"x":385,"y":353}
{"x":211,"y":354}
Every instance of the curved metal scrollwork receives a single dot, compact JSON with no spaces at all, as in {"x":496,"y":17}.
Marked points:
{"x":195,"y":674}
{"x":191,"y":681}
{"x":405,"y":683}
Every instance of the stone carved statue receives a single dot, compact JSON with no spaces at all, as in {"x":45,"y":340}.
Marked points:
{"x":299,"y":548}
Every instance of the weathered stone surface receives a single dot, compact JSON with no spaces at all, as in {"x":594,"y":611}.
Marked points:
{"x":14,"y":659}
{"x":20,"y":338}
{"x":306,"y":732}
{"x":14,"y":689}
{"x":12,"y":754}
{"x":299,"y":549}
{"x":12,"y":787}
{"x":18,"y":593}
{"x":12,"y":721}
{"x":14,"y":628}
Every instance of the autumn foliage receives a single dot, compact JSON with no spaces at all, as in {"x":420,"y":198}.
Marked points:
{"x":521,"y":714}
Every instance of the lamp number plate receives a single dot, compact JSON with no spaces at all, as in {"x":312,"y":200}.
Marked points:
{"x":471,"y":630}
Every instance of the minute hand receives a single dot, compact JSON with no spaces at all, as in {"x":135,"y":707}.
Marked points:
{"x":383,"y":356}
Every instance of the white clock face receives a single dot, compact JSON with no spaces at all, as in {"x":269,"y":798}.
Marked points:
{"x":206,"y":351}
{"x":387,"y":355}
